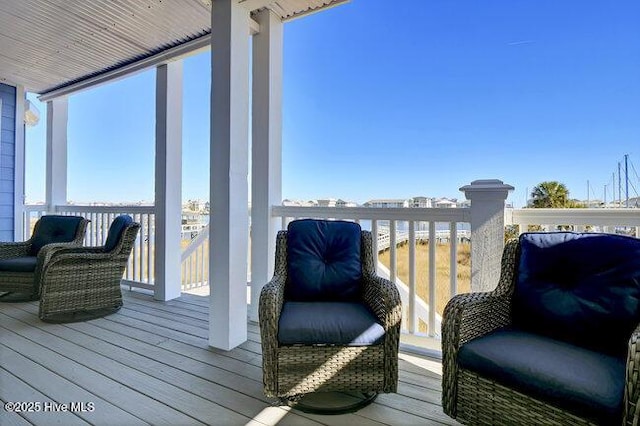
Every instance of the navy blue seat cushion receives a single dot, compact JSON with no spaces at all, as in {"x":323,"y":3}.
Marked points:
{"x":580,"y":288}
{"x":323,"y":261}
{"x":334,"y":323}
{"x":54,"y":229}
{"x":116,"y":229}
{"x":588,"y":383}
{"x":19,"y":264}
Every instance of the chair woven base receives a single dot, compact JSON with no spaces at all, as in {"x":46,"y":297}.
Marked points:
{"x":85,"y":315}
{"x":485,"y":402}
{"x":332,"y":403}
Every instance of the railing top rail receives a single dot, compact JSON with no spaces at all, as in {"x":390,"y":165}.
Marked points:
{"x":438,"y":214}
{"x":605,"y":217}
{"x":195,"y":243}
{"x":34,"y":207}
{"x":105,"y":209}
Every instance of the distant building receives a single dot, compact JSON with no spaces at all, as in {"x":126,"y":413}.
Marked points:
{"x":298,"y":203}
{"x":196,"y":206}
{"x":633,"y":203}
{"x":420,"y":202}
{"x":463,"y":204}
{"x":445,"y":203}
{"x":386,"y":203}
{"x":344,"y":203}
{"x":329,"y":202}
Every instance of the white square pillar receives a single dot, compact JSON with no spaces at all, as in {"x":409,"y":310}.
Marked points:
{"x":266,"y":145}
{"x":487,"y":230}
{"x":168,"y":181}
{"x":229,"y":174}
{"x":56,"y":152}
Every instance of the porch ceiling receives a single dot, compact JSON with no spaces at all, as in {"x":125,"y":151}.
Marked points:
{"x":46,"y":45}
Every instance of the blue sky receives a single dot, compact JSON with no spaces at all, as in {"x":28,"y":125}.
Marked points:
{"x":381,"y":101}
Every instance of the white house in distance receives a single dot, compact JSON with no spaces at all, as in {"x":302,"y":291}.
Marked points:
{"x":326,"y":202}
{"x":421,"y":202}
{"x":298,"y":203}
{"x":445,"y":203}
{"x":387,"y":203}
{"x":418,"y":202}
{"x":345,"y":203}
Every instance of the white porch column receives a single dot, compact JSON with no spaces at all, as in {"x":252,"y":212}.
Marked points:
{"x":168,"y":182}
{"x":229,"y":170}
{"x":266,"y":157}
{"x":56,"y":166}
{"x":19,"y":164}
{"x":487,"y":230}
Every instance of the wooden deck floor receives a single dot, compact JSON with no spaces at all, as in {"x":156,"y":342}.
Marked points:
{"x":150,"y":364}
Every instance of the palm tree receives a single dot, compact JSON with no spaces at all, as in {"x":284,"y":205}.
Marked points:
{"x":550,"y":194}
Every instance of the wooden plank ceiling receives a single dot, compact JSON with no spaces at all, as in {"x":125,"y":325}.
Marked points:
{"x":48,"y":44}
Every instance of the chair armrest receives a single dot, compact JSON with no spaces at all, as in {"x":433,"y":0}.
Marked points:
{"x":48,"y":251}
{"x":80,"y":269}
{"x":54,"y":250}
{"x":466,"y":317}
{"x":271,"y":300}
{"x":472,"y":315}
{"x":631,"y":388}
{"x":383,"y":298}
{"x":51,"y":253}
{"x":18,"y":249}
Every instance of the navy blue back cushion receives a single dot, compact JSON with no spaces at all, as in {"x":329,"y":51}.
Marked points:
{"x":580,"y":288}
{"x":323,"y":261}
{"x":54,"y":229}
{"x":116,"y":229}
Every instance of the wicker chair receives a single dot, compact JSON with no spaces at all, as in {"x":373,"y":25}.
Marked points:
{"x":479,"y":393}
{"x":21,"y":263}
{"x":294,"y":369}
{"x":84,"y":282}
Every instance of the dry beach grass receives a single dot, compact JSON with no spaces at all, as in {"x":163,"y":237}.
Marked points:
{"x":442,"y":270}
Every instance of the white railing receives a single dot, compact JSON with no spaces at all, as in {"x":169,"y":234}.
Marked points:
{"x":195,"y":261}
{"x":140,"y":270}
{"x":393,"y":226}
{"x":442,"y":236}
{"x":625,"y":221}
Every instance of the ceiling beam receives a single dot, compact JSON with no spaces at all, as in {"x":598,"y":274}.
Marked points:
{"x":254,"y":26}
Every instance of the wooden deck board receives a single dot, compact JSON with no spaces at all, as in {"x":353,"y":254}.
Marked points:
{"x":150,"y":363}
{"x":51,"y":384}
{"x":14,"y":389}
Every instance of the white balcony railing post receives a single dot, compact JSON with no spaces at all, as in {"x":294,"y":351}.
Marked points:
{"x":487,"y":198}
